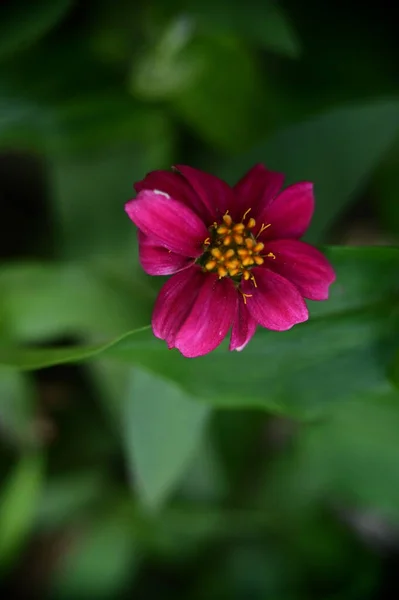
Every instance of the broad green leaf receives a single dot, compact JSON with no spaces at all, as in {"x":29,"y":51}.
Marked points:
{"x":163,"y":426}
{"x":263,"y":23}
{"x":17,"y":406}
{"x":348,"y":460}
{"x":23,"y":22}
{"x":225,"y":102}
{"x":19,"y":499}
{"x":338,"y":151}
{"x":101,"y":561}
{"x":40,"y":301}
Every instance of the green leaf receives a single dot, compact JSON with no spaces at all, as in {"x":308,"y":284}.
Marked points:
{"x":338,"y":151}
{"x":19,"y":498}
{"x":263,"y":23}
{"x":100,"y":563}
{"x":22,"y":22}
{"x":225,"y":103}
{"x":40,"y":301}
{"x":163,"y":426}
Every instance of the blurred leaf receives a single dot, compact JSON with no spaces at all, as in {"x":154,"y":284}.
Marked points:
{"x":22,"y":22}
{"x":338,"y":151}
{"x":68,"y":496}
{"x":263,"y":23}
{"x":225,"y":103}
{"x":40,"y":301}
{"x":163,"y":427}
{"x":16,"y":406}
{"x":19,"y":498}
{"x":162,"y":71}
{"x":100,"y":562}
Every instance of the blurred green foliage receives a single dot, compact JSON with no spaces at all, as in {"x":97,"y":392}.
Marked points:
{"x":127,"y":470}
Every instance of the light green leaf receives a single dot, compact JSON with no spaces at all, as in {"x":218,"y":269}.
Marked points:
{"x":22,"y":23}
{"x":163,"y":426}
{"x":338,"y":151}
{"x":19,"y":498}
{"x":17,"y":405}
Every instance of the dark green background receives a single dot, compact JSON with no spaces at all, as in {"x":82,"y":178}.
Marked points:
{"x":125,"y":469}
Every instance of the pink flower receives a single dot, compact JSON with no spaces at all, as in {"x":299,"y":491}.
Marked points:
{"x":234,"y":253}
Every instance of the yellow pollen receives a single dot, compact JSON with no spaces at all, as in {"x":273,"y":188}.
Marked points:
{"x":216,"y":253}
{"x":271,"y":255}
{"x":227,"y":219}
{"x":238,"y":239}
{"x":229,"y":253}
{"x":247,"y":262}
{"x":259,"y":247}
{"x":222,"y":272}
{"x":210,"y":265}
{"x":249,"y":243}
{"x":245,"y":214}
{"x":242,"y":252}
{"x":227,"y":240}
{"x":246,"y":275}
{"x":259,"y":260}
{"x":222,"y":229}
{"x":251,"y":223}
{"x":239,"y":228}
{"x":232,"y":264}
{"x":234,"y":272}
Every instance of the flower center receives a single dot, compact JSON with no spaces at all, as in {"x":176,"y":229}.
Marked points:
{"x":233,"y":250}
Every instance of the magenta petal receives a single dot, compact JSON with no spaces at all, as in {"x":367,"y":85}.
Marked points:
{"x":158,"y":260}
{"x":275,"y":303}
{"x":174,"y":225}
{"x":256,"y":190}
{"x":173,"y":184}
{"x":244,"y":327}
{"x":174,"y":303}
{"x":210,"y":318}
{"x":289,"y":215}
{"x":304,"y":266}
{"x":216,"y":195}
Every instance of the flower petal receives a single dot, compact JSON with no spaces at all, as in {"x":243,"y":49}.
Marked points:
{"x":210,"y":317}
{"x":289,"y":215}
{"x":173,"y":184}
{"x":275,"y":303}
{"x":174,"y":225}
{"x":216,"y":195}
{"x":256,"y":190}
{"x":303,"y":265}
{"x":244,"y":327}
{"x":158,"y":260}
{"x":174,"y":303}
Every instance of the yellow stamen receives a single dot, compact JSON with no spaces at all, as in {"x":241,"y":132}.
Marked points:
{"x":259,"y":247}
{"x":247,"y":262}
{"x":232,"y":264}
{"x":254,"y":280}
{"x":222,"y":272}
{"x":251,"y":223}
{"x":242,"y":252}
{"x":245,"y":296}
{"x":238,"y":239}
{"x":207,"y":241}
{"x":259,"y":260}
{"x":229,"y":253}
{"x":227,"y":219}
{"x":210,"y":265}
{"x":234,"y":272}
{"x":222,"y":229}
{"x":271,"y":255}
{"x":216,"y":253}
{"x":227,"y":240}
{"x":262,"y":229}
{"x":249,"y":243}
{"x":239,"y":227}
{"x":245,"y":214}
{"x":246,"y":275}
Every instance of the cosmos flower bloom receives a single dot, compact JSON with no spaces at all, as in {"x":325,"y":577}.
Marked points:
{"x":234,"y":253}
